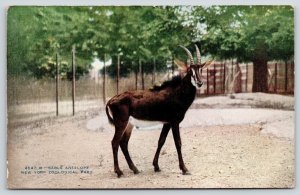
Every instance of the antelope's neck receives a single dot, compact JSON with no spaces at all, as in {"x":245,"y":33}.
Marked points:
{"x":188,"y":92}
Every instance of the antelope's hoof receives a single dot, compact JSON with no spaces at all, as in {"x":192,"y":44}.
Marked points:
{"x":136,"y":171}
{"x":186,"y":173}
{"x":119,"y":173}
{"x":157,"y":169}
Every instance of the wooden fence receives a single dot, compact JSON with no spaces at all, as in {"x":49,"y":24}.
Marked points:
{"x":231,"y":77}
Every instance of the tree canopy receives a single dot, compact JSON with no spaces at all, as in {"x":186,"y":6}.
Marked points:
{"x":246,"y":33}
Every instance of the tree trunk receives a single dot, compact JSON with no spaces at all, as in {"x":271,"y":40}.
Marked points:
{"x":260,"y":67}
{"x":237,"y":80}
{"x":260,"y":75}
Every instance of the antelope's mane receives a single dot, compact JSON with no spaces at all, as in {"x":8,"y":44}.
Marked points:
{"x":174,"y":82}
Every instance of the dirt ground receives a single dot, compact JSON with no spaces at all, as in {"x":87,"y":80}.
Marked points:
{"x":66,"y":153}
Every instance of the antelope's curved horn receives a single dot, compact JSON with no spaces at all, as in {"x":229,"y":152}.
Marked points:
{"x":188,"y":53}
{"x":198,"y":55}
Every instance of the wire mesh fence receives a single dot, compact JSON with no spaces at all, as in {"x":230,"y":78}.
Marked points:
{"x":31,"y":99}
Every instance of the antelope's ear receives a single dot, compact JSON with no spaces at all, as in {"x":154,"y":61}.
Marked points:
{"x":181,"y":65}
{"x":206,"y":64}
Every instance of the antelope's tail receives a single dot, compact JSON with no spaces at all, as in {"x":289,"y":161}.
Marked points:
{"x":110,"y":119}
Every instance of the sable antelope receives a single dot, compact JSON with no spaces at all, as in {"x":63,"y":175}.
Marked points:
{"x":167,"y":103}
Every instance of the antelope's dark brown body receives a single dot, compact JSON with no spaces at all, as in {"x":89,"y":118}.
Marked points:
{"x":168,"y":104}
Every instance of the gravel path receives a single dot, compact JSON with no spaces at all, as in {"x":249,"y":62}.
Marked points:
{"x":233,"y":156}
{"x":277,"y":122}
{"x":226,"y":143}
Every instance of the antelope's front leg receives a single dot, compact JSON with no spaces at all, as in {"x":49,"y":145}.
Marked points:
{"x":162,"y":138}
{"x":177,"y":140}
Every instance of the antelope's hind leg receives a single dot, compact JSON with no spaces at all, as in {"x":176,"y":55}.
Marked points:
{"x":119,"y":131}
{"x":124,"y":147}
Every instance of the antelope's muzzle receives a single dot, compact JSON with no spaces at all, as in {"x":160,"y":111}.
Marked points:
{"x":199,"y":83}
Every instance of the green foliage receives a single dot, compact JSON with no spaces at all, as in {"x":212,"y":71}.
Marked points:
{"x":238,"y":31}
{"x":19,"y":38}
{"x":36,"y":34}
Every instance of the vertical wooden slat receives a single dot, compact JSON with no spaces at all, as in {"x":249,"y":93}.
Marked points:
{"x":207,"y":82}
{"x":214,"y":78}
{"x":221,"y":77}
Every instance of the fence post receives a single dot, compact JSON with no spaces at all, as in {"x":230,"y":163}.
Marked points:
{"x":118,"y":73}
{"x":73,"y":79}
{"x":104,"y":81}
{"x":207,"y":82}
{"x":275,"y":85}
{"x":56,"y":84}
